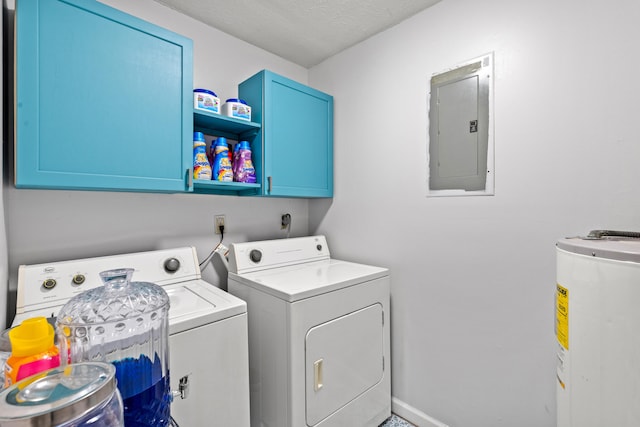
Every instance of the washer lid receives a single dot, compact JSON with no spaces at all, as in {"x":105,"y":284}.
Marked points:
{"x":197,"y":303}
{"x":300,"y":281}
{"x":191,"y":304}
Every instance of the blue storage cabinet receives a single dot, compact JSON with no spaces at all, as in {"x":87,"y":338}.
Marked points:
{"x":103,"y":100}
{"x":293,"y":151}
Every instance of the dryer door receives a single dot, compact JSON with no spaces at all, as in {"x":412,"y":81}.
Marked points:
{"x":344,"y":358}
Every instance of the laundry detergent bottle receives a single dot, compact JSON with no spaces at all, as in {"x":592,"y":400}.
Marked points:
{"x":243,"y":170}
{"x":222,"y":170}
{"x":32,"y":350}
{"x":201,"y":166}
{"x":125,"y":323}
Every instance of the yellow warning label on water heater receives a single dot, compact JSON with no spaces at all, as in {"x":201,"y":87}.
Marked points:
{"x":562,"y":316}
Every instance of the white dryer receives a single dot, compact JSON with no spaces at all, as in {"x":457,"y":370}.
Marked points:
{"x":318,"y":334}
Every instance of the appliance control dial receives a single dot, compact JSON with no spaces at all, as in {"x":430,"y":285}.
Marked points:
{"x":78,"y":279}
{"x":255,"y":255}
{"x":171,"y":265}
{"x":319,"y":247}
{"x":49,"y":283}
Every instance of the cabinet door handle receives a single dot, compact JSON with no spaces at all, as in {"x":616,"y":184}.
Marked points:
{"x":269,"y":180}
{"x":189,"y":178}
{"x":317,"y":375}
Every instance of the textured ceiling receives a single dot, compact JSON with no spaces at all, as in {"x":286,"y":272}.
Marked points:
{"x":305,"y":32}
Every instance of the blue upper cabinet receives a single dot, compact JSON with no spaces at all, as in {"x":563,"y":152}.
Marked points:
{"x":103,"y":100}
{"x":293,"y":152}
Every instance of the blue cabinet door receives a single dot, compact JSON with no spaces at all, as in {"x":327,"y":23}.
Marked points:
{"x":294,"y":149}
{"x":103,"y":100}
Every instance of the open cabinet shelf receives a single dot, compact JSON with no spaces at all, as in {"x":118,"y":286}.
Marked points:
{"x":230,"y":128}
{"x":202,"y":186}
{"x":219,"y":125}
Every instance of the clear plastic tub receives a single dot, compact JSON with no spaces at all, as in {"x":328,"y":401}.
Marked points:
{"x":237,"y":108}
{"x":204,"y":99}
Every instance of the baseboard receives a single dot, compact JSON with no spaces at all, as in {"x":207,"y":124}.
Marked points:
{"x":413,"y":415}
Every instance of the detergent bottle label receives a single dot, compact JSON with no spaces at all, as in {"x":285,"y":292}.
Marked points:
{"x":17,"y":368}
{"x":222,"y":167}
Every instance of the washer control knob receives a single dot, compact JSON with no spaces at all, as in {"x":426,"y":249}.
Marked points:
{"x":49,"y":283}
{"x":78,"y":279}
{"x":171,"y":265}
{"x":319,"y":247}
{"x":255,"y":255}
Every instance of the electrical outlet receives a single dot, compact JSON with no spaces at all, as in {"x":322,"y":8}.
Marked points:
{"x":219,"y":221}
{"x":285,"y":221}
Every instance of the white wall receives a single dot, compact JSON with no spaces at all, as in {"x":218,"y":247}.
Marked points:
{"x":45,"y":225}
{"x":473,"y":278}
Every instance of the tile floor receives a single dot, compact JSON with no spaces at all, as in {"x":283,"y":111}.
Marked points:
{"x":395,"y":421}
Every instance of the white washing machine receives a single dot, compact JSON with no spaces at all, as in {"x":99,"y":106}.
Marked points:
{"x":318,"y":334}
{"x":207,"y":327}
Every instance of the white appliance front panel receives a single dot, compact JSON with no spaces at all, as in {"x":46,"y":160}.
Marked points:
{"x":344,"y":358}
{"x":599,"y":373}
{"x":297,"y":282}
{"x":215,"y":359}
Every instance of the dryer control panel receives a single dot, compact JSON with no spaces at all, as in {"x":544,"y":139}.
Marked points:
{"x":263,"y":255}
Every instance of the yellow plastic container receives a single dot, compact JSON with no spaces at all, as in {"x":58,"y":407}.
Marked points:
{"x":32,"y":350}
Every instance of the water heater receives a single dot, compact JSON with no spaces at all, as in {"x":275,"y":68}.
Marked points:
{"x":597,"y":328}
